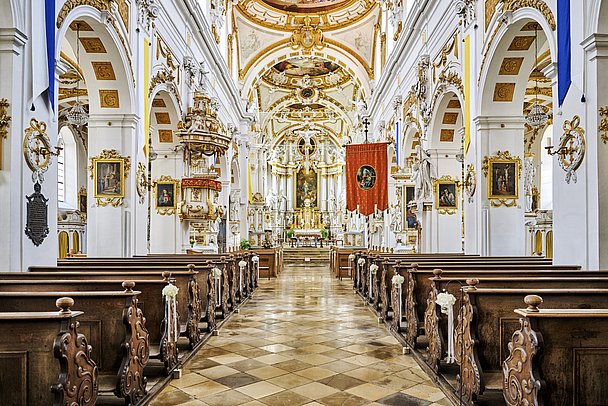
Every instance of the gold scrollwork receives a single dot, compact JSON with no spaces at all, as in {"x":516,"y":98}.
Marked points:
{"x":5,"y":123}
{"x":602,"y":128}
{"x":109,"y":171}
{"x":470,"y":182}
{"x":166,"y":195}
{"x":141,"y":182}
{"x":571,"y":151}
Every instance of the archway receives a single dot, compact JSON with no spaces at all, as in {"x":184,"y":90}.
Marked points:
{"x":511,"y":81}
{"x":446,"y":144}
{"x":167,"y":234}
{"x":95,"y":71}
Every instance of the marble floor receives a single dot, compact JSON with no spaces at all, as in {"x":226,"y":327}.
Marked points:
{"x":304,"y":339}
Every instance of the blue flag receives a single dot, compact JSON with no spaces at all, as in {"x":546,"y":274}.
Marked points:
{"x":564,"y":52}
{"x":49,"y":14}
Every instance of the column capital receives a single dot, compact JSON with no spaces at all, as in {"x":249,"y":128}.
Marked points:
{"x":499,"y":122}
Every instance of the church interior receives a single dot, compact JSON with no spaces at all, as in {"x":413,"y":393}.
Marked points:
{"x":303,"y":202}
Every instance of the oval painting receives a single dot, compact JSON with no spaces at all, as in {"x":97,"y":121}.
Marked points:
{"x":366,"y":177}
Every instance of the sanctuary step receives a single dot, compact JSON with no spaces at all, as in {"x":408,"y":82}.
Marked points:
{"x":305,"y":254}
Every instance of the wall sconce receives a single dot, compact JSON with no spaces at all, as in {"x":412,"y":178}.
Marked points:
{"x":571,"y":149}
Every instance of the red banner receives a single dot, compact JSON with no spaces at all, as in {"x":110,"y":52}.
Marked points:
{"x":366,"y":177}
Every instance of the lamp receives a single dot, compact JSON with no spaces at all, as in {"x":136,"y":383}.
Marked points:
{"x":536,"y":117}
{"x":77,"y":115}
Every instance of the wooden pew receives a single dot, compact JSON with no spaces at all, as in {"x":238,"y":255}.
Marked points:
{"x":557,"y":357}
{"x":45,"y":360}
{"x":379,"y":290}
{"x":196,"y":297}
{"x":417,"y":286}
{"x":485,"y":323}
{"x":114,"y":325}
{"x":163,"y":346}
{"x":158,"y":261}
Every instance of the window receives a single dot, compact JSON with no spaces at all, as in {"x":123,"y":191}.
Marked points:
{"x":61,"y":173}
{"x":67,"y":170}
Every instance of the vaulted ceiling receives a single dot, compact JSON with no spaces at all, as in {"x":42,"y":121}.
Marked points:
{"x":305,"y":62}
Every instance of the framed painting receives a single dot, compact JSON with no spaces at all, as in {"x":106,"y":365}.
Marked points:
{"x":82,"y":200}
{"x":109,"y":171}
{"x":503,"y":178}
{"x":446,"y":195}
{"x":306,"y":188}
{"x":503,"y":172}
{"x":109,"y":178}
{"x":166,"y":191}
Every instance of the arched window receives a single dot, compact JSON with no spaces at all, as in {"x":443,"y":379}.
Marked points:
{"x":546,"y":173}
{"x":67,"y":170}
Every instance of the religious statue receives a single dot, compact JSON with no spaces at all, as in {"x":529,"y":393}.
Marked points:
{"x":422,"y":175}
{"x":307,"y":215}
{"x":396,"y":218}
{"x":529,"y":175}
{"x":234,"y":210}
{"x":271,"y":200}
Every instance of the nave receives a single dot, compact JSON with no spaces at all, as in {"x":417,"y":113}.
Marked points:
{"x":303,"y":339}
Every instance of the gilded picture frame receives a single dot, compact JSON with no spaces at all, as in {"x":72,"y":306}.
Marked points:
{"x":446,"y":194}
{"x":166,"y":195}
{"x":109,"y":171}
{"x":82,"y":200}
{"x":503,"y":172}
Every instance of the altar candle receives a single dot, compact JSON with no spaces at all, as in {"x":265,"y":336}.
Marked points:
{"x":549,"y":142}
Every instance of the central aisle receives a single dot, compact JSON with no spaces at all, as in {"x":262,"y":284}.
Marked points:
{"x":304,"y":339}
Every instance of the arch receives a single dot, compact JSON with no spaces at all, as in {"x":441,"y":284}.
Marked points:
{"x":549,"y":245}
{"x":279,"y":137}
{"x":115,"y":95}
{"x":288,"y":100}
{"x":75,"y":243}
{"x":448,"y":119}
{"x":164,"y":116}
{"x":64,"y":244}
{"x":171,"y":89}
{"x":273,"y":55}
{"x":599,"y":13}
{"x":505,"y":31}
{"x":67,"y":163}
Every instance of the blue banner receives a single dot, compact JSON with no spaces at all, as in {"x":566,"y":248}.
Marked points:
{"x":564,"y":51}
{"x":49,"y":14}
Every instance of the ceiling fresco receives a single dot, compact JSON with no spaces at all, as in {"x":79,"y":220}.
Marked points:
{"x":312,"y":66}
{"x":306,"y":6}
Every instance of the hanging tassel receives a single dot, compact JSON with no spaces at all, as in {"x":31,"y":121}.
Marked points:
{"x":447,"y":301}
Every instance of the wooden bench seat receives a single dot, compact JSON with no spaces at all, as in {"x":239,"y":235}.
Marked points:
{"x":192,"y":300}
{"x":112,"y":323}
{"x":163,"y":346}
{"x":488,"y":323}
{"x":40,"y":352}
{"x":561,"y":355}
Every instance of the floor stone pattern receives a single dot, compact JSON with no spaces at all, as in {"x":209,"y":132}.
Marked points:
{"x":304,"y":339}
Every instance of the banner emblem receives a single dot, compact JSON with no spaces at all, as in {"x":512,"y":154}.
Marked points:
{"x":366,"y":177}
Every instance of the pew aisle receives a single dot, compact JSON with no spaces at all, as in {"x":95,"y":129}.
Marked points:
{"x":304,"y":339}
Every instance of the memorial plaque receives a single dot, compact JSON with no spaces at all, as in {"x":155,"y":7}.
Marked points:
{"x":37,"y":226}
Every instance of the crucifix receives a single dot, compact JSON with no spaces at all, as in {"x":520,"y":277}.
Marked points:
{"x":366,"y":124}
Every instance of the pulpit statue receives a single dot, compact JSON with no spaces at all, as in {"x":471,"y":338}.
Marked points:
{"x":308,"y":215}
